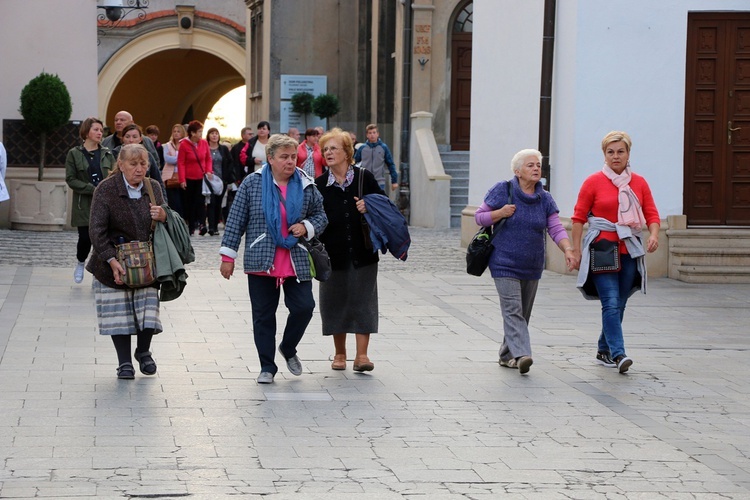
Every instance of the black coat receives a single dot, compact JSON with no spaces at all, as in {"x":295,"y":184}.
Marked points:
{"x":343,"y":236}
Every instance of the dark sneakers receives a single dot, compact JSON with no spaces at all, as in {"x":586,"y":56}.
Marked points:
{"x":623,"y":363}
{"x":604,"y":359}
{"x":524,"y":363}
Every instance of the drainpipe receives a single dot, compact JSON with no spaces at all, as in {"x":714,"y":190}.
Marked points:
{"x":404,"y":195}
{"x":545,"y":97}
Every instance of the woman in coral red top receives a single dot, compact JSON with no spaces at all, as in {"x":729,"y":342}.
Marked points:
{"x":617,"y":204}
{"x":194,"y":160}
{"x":309,"y":157}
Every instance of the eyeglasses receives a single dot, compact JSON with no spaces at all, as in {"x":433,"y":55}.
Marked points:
{"x":332,"y":149}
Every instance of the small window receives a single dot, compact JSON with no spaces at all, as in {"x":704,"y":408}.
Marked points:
{"x":463,"y":21}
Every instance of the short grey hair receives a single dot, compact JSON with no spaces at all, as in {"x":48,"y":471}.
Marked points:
{"x":518,"y":158}
{"x":280,"y":141}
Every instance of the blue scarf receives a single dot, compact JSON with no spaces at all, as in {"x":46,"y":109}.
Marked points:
{"x":271,"y":209}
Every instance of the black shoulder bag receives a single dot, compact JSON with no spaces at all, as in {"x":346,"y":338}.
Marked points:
{"x":320,"y":262}
{"x":479,"y":250}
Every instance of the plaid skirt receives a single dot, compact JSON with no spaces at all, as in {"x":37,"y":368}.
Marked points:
{"x":126,"y":311}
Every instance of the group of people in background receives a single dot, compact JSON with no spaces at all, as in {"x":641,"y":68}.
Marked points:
{"x":273,"y":186}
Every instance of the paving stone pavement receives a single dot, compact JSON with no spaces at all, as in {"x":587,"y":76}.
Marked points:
{"x":438,"y":418}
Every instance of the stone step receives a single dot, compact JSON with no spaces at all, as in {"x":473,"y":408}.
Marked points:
{"x":456,"y":164}
{"x":455,"y":155}
{"x":714,"y":256}
{"x":458,"y":182}
{"x":455,"y":171}
{"x":713,"y":274}
{"x":709,"y":238}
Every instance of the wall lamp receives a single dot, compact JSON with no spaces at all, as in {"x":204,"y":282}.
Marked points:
{"x":117,"y":10}
{"x":422,"y":61}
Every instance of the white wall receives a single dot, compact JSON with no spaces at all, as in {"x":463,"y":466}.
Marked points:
{"x":507,"y":43}
{"x":618,"y":65}
{"x":58,"y":37}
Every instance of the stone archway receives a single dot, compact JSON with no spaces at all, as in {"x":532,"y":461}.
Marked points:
{"x":162,"y":83}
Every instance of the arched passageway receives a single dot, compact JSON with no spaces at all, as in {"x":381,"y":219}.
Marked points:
{"x":161,"y":83}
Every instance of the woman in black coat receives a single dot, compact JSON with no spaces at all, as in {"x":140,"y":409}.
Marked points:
{"x":222,"y":165}
{"x":349,"y":299}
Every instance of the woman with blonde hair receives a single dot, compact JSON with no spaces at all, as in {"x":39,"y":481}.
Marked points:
{"x":170,"y":175}
{"x":617,"y":204}
{"x":349,"y":299}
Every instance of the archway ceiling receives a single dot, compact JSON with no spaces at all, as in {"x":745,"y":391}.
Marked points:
{"x":161,"y":88}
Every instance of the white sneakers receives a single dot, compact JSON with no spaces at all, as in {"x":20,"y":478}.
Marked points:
{"x":78,"y":272}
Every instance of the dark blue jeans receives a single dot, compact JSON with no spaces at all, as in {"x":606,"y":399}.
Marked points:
{"x":614,"y":289}
{"x":264,"y":299}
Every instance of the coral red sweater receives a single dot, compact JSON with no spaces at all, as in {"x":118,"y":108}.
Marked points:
{"x":187,"y":162}
{"x":599,"y":197}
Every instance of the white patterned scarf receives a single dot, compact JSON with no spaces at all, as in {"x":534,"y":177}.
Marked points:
{"x":630,"y":212}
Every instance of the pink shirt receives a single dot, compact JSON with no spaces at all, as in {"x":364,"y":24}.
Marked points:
{"x":282,"y":261}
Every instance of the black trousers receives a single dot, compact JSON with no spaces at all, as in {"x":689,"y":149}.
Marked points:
{"x":264,"y":299}
{"x":214,"y":211}
{"x":195,"y":204}
{"x":84,"y":243}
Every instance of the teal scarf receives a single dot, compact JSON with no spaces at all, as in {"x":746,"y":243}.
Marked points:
{"x":272,"y":198}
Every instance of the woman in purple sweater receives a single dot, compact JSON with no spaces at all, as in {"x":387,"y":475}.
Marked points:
{"x":517,"y":261}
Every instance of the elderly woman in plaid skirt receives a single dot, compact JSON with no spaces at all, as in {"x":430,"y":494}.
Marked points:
{"x":122,"y":210}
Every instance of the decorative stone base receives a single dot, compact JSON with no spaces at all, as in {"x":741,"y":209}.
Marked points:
{"x":38,"y":206}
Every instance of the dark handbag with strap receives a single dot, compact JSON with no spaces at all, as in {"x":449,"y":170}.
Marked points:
{"x":320,"y":262}
{"x":137,"y":257}
{"x":362,"y":221}
{"x":605,"y":256}
{"x":480,"y":249}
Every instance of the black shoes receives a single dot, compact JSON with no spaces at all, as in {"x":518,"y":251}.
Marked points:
{"x":126,"y":371}
{"x":623,"y":363}
{"x":604,"y":359}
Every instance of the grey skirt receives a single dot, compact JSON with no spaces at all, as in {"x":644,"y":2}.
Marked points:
{"x":126,"y":311}
{"x":349,"y":301}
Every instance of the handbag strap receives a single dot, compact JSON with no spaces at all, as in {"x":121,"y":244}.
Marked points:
{"x":360,"y":182}
{"x":150,"y":189}
{"x":197,"y":157}
{"x":499,"y":224}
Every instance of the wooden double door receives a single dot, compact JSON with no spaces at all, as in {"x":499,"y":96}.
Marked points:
{"x":717,"y":120}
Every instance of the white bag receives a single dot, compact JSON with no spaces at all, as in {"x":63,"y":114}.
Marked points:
{"x":212,"y":185}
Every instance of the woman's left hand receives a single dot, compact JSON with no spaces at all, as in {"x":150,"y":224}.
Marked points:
{"x":158,"y":213}
{"x":571,"y":261}
{"x":298,"y":230}
{"x":360,"y":205}
{"x":652,"y":244}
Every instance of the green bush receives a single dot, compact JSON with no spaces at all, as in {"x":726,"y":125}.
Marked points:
{"x":302,"y":103}
{"x":45,"y":107}
{"x":326,"y":105}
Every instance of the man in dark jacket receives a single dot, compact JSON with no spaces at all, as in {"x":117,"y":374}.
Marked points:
{"x":239,"y":172}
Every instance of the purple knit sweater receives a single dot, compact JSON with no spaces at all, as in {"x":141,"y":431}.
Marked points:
{"x":519,"y":248}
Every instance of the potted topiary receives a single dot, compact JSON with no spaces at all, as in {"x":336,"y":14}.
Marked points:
{"x":45,"y":107}
{"x":326,"y":105}
{"x":302,"y":103}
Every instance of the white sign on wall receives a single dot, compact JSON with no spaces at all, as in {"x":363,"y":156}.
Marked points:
{"x":294,"y":84}
{"x":312,"y":84}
